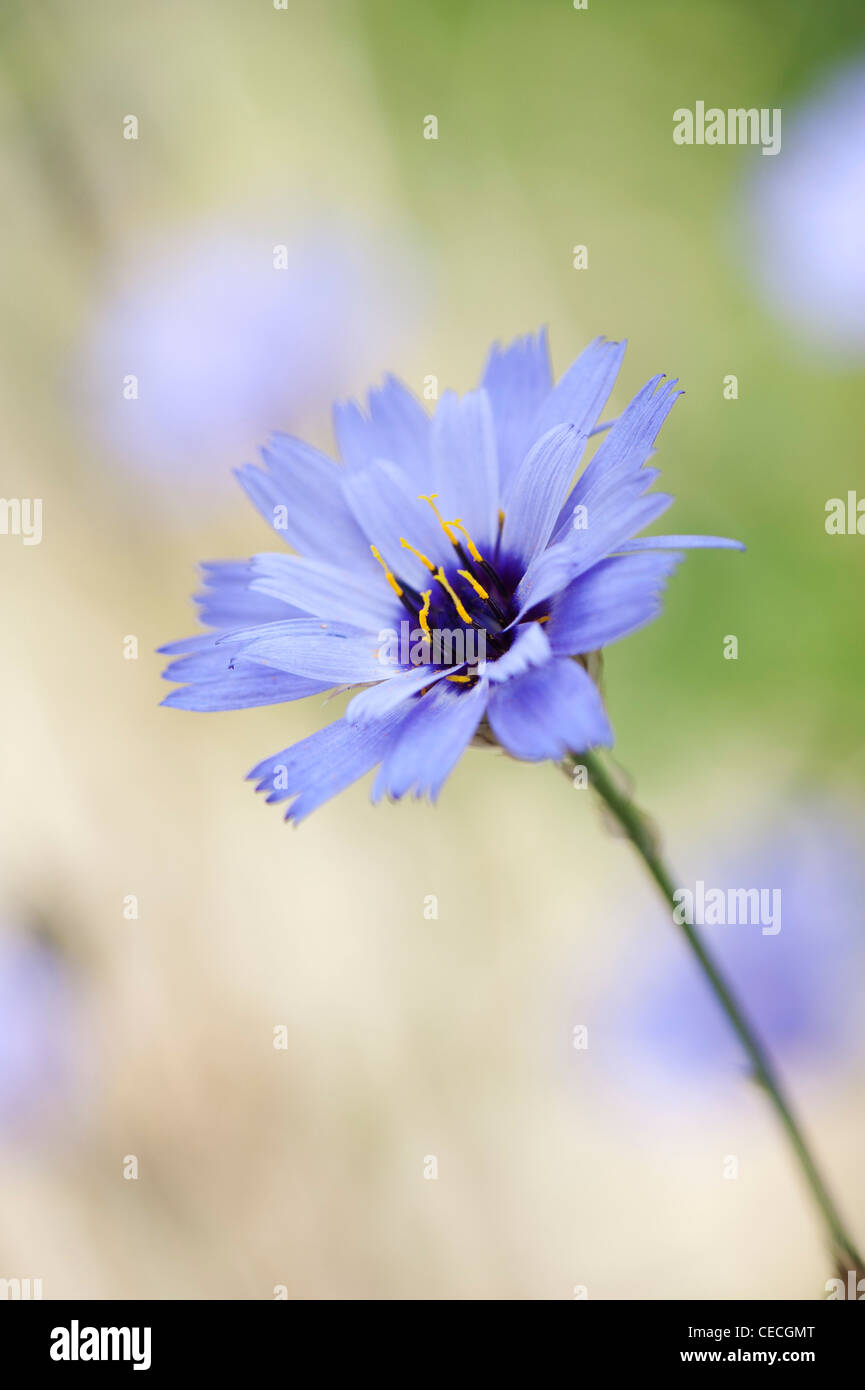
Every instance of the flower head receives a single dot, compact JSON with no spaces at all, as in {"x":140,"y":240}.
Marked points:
{"x":451,"y":568}
{"x":40,"y":1047}
{"x":802,"y":979}
{"x":219,"y":340}
{"x":806,"y":217}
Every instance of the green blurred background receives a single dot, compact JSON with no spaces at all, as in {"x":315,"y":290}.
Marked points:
{"x":304,"y":1167}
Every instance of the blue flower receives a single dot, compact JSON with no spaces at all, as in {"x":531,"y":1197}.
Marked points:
{"x":446,"y":567}
{"x":805,"y":217}
{"x":803,"y":984}
{"x":40,"y":1047}
{"x":220,"y":343}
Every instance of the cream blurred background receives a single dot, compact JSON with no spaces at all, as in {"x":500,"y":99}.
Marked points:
{"x":407,"y":1037}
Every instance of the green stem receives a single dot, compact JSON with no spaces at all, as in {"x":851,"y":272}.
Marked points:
{"x":639,"y":832}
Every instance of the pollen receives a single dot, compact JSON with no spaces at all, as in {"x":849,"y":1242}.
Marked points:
{"x":473,"y":550}
{"x":419,"y":554}
{"x":422,"y":615}
{"x":447,"y":526}
{"x":391,"y":578}
{"x":470,"y":579}
{"x":455,"y":598}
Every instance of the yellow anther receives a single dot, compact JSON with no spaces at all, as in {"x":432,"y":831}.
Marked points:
{"x":470,"y":579}
{"x":422,"y":615}
{"x":501,"y":518}
{"x":387,"y":573}
{"x":423,"y":559}
{"x":545,"y":619}
{"x":457,"y":601}
{"x":473,"y":550}
{"x":446,"y":526}
{"x":458,"y":678}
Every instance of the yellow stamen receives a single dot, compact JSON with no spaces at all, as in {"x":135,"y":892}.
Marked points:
{"x":473,"y":550}
{"x":457,"y":601}
{"x":470,"y":579}
{"x":501,"y":518}
{"x":445,"y":525}
{"x":422,"y":615}
{"x":458,"y":678}
{"x":543,"y":620}
{"x":387,"y":573}
{"x":423,"y":559}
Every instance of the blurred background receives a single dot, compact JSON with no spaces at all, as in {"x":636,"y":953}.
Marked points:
{"x":157,"y":921}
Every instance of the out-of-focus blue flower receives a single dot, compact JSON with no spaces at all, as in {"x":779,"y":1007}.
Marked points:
{"x":801,"y":987}
{"x":38,"y":1023}
{"x":806,"y":213}
{"x":224,"y":336}
{"x":463,"y":524}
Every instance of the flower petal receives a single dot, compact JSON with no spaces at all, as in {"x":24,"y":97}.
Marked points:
{"x":438,"y":730}
{"x":610,"y":525}
{"x":517,"y":380}
{"x":319,"y":767}
{"x":530,"y":648}
{"x":540,"y":486}
{"x":314,"y":586}
{"x":378,"y":700}
{"x":581,"y":394}
{"x":397,"y":429}
{"x":627,"y":447}
{"x":299,"y":493}
{"x":211,"y":664}
{"x":200,"y":641}
{"x":681,"y":543}
{"x":548,"y":712}
{"x":323,"y":651}
{"x":243,"y":688}
{"x":612,"y":599}
{"x":465,"y":466}
{"x":388,"y":510}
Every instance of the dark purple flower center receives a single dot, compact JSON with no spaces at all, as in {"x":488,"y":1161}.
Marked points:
{"x":474,"y":594}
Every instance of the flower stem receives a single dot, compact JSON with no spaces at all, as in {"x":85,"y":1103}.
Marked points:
{"x":639,"y":831}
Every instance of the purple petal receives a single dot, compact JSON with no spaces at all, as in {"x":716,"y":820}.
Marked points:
{"x":610,"y":525}
{"x":314,"y":586}
{"x":681,"y":543}
{"x":431,"y":742}
{"x":388,"y":508}
{"x":540,"y":486}
{"x":550,"y":711}
{"x":228,"y":601}
{"x":323,"y":651}
{"x":319,"y":767}
{"x":465,"y":466}
{"x":397,"y":428}
{"x":581,"y":394}
{"x":379,"y":700}
{"x":517,"y":380}
{"x":529,"y":648}
{"x":299,"y":494}
{"x":243,"y":688}
{"x":609,"y":601}
{"x":626,"y":449}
